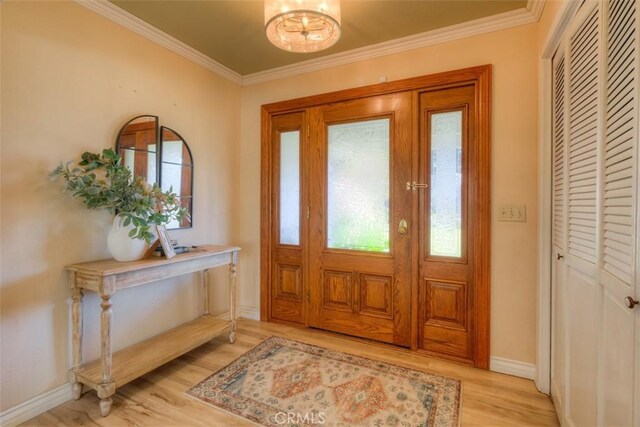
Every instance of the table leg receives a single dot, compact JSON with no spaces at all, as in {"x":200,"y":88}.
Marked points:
{"x":107,"y":387}
{"x":207,"y":291}
{"x":232,"y":294}
{"x":76,"y":321}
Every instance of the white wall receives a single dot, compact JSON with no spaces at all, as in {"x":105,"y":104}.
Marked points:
{"x":70,"y":80}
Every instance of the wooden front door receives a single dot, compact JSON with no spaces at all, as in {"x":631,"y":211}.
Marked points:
{"x":360,"y":269}
{"x":375,"y":213}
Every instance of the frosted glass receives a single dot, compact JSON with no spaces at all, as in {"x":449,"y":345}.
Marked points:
{"x":358,"y":186}
{"x":290,"y":188}
{"x":446,"y":184}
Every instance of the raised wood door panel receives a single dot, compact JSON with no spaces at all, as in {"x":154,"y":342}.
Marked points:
{"x":288,"y":231}
{"x":449,"y":160}
{"x":361,"y":286}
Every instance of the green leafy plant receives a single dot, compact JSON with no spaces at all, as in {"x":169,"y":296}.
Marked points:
{"x":101,"y":181}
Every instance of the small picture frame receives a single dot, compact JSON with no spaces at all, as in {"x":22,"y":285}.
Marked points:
{"x":165,"y":241}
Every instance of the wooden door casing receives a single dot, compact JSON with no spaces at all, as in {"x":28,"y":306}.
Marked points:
{"x":477,"y":77}
{"x":366,"y":294}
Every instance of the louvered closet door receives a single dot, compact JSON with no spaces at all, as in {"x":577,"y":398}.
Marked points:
{"x":618,"y":205}
{"x":559,"y":224}
{"x":581,"y":257}
{"x":596,"y":345}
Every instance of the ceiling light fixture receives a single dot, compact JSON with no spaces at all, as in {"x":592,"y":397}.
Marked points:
{"x":302,"y":25}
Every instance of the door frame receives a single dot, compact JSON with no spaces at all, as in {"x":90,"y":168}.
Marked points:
{"x":481,"y":78}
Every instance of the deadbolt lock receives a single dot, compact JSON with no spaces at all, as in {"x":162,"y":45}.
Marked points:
{"x":403,"y":227}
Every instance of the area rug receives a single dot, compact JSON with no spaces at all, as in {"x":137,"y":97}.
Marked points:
{"x":284,"y":382}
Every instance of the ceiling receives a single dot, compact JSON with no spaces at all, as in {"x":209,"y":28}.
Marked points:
{"x":232,"y":32}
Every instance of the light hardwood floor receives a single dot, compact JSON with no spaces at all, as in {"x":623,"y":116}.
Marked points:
{"x":158,"y":398}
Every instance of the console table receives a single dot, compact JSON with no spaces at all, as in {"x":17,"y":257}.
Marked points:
{"x":106,"y":277}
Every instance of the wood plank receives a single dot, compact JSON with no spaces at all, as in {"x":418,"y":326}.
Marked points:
{"x":143,"y":357}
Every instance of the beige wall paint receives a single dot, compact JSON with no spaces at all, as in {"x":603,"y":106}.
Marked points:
{"x":70,"y":79}
{"x":514,"y":180}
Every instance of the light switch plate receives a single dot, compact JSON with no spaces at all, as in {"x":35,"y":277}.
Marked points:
{"x":512,"y":213}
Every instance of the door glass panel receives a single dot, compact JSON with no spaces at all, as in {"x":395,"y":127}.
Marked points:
{"x":290,"y":188}
{"x":358,"y":186}
{"x":446,"y":184}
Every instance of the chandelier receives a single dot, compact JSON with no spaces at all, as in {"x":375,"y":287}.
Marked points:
{"x":302,"y":25}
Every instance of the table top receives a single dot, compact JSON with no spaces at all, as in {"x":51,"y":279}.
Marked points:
{"x":108,"y":267}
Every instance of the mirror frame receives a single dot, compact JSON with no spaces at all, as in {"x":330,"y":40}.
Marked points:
{"x":158,"y":139}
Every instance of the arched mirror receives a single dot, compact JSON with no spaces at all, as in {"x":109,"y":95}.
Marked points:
{"x":159,"y":155}
{"x":177,"y":171}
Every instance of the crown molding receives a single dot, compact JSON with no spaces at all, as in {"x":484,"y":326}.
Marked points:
{"x":535,"y":7}
{"x":137,"y":25}
{"x":442,"y":35}
{"x":528,"y":15}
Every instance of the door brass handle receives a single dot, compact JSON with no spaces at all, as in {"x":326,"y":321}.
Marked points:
{"x":403,"y":227}
{"x":630,"y":302}
{"x":414,"y":186}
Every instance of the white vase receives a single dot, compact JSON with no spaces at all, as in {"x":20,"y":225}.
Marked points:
{"x":123,"y":247}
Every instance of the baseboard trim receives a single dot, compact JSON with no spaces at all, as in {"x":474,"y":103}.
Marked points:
{"x":249,"y":312}
{"x":243,"y":311}
{"x":512,"y":367}
{"x":38,"y":405}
